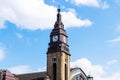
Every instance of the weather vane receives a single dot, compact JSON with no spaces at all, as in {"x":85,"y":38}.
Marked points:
{"x":59,"y":6}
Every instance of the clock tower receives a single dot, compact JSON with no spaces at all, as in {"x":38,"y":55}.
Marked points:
{"x":58,"y":56}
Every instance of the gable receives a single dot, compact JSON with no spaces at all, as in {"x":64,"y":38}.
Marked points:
{"x":77,"y":73}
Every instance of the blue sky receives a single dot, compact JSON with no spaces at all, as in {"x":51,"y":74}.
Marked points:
{"x":93,"y":28}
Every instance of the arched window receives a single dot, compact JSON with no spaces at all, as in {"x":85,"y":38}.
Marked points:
{"x":54,"y":71}
{"x":65,"y":71}
{"x":79,"y":78}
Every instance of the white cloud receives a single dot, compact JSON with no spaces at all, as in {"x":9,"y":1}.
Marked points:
{"x":87,"y":66}
{"x":91,"y":3}
{"x":97,"y":71}
{"x":20,"y":36}
{"x":20,"y":69}
{"x":2,"y":53}
{"x":112,"y":62}
{"x":69,"y":17}
{"x":35,"y":14}
{"x":42,"y":69}
{"x":115,"y":76}
{"x":104,"y":5}
{"x":118,"y":28}
{"x":115,"y":40}
{"x":53,"y":1}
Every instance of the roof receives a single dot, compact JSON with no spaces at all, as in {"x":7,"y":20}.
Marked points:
{"x":77,"y":71}
{"x":32,"y":76}
{"x":7,"y":75}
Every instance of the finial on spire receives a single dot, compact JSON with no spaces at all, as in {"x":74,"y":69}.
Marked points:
{"x":58,"y":8}
{"x":59,"y":15}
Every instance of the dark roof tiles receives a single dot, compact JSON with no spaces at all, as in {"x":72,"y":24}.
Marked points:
{"x":32,"y":76}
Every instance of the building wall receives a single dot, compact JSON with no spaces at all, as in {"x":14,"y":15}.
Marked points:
{"x":61,"y":59}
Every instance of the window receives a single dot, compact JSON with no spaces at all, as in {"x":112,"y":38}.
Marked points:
{"x":81,"y":78}
{"x":54,"y":71}
{"x":78,"y":78}
{"x":54,"y":59}
{"x":65,"y":60}
{"x":65,"y":71}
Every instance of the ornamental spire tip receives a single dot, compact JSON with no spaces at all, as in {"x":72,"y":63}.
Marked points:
{"x":58,"y":8}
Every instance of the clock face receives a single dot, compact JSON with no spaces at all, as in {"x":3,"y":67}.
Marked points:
{"x":55,"y":38}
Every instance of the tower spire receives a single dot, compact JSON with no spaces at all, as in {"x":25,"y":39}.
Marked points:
{"x":58,"y":8}
{"x":58,"y":16}
{"x":58,"y":37}
{"x":58,"y":23}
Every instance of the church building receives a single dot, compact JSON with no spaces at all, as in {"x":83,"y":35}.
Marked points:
{"x":58,"y":60}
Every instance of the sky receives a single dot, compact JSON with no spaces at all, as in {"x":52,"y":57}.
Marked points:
{"x":93,"y":28}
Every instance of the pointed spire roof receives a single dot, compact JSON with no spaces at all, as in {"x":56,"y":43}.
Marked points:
{"x":58,"y":16}
{"x":58,"y":23}
{"x":61,"y":44}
